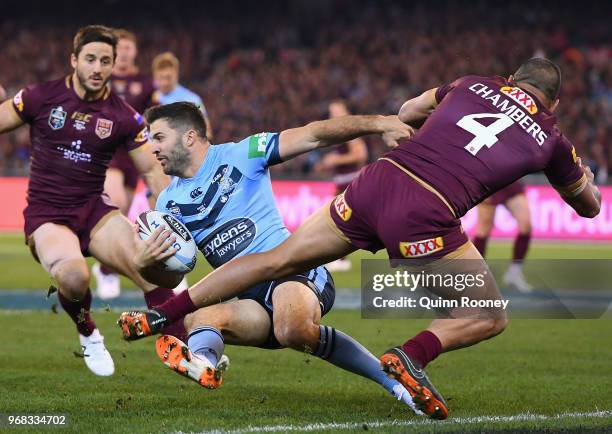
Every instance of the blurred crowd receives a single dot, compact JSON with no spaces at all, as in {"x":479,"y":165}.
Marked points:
{"x":274,"y":65}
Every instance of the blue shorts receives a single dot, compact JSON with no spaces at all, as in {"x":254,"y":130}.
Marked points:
{"x":319,"y":280}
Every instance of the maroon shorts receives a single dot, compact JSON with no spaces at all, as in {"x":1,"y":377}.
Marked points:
{"x":386,"y":207}
{"x":506,"y":193}
{"x":80,"y":220}
{"x":123,"y":162}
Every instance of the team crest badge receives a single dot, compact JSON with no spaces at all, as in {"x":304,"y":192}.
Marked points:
{"x":57,"y":118}
{"x":342,"y":208}
{"x":104,"y":128}
{"x":421,"y":248}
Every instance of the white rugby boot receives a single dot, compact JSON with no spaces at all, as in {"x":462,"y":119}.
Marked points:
{"x":514,"y":277}
{"x":107,"y":285}
{"x":97,"y":358}
{"x":402,"y":394}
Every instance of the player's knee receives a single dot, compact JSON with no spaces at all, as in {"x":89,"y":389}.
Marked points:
{"x":72,"y":277}
{"x":297,"y":335}
{"x":524,"y":227}
{"x":493,"y":327}
{"x":483,"y":231}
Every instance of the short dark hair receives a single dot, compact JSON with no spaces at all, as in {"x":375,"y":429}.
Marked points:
{"x":542,"y":74}
{"x":94,"y":33}
{"x":182,"y":114}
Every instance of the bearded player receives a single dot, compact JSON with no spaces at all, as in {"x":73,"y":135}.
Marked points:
{"x":477,"y":135}
{"x":138,"y":90}
{"x":514,"y":199}
{"x":223,"y":195}
{"x":76,"y":124}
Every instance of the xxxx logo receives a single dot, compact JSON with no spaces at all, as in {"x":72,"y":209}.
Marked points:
{"x":342,"y":208}
{"x":521,"y":97}
{"x":421,"y":248}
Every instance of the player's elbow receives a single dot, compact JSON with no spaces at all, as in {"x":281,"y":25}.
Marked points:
{"x":590,"y":212}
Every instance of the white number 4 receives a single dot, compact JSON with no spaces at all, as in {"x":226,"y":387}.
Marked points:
{"x":484,"y":136}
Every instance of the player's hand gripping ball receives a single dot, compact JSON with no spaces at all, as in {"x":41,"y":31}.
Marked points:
{"x":184,"y":260}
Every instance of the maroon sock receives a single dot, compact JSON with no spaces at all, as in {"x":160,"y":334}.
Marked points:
{"x":158,"y":296}
{"x":481,"y":244}
{"x":79,"y":312}
{"x":423,"y":348}
{"x":521,"y":245}
{"x":178,"y":306}
{"x":105,"y":270}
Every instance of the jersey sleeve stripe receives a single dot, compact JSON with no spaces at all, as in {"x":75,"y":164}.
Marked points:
{"x":574,"y":189}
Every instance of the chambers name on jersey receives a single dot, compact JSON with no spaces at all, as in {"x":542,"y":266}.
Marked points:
{"x":228,"y":205}
{"x":485,"y":134}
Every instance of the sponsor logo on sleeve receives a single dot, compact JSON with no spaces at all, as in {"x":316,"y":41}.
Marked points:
{"x":57,"y":118}
{"x":18,"y":100}
{"x":344,"y":211}
{"x":521,"y":97}
{"x":257,"y":145}
{"x":104,"y":128}
{"x":142,"y":136}
{"x":421,"y":248}
{"x":228,"y":241}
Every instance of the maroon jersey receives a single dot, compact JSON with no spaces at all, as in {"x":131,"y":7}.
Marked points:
{"x":136,"y":89}
{"x":73,"y":140}
{"x":486,"y":134}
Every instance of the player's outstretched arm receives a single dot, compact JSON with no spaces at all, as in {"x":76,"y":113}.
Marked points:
{"x":9,"y":119}
{"x":319,"y":134}
{"x":416,"y":110}
{"x":586,"y":203}
{"x":149,"y":168}
{"x":2,"y":93}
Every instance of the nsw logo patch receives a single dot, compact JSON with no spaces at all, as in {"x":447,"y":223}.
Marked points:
{"x":57,"y":118}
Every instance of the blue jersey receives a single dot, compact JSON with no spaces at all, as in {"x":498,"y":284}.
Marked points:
{"x":179,"y":94}
{"x":228,"y":205}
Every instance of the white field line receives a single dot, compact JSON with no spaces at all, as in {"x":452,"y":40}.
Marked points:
{"x":521,"y":417}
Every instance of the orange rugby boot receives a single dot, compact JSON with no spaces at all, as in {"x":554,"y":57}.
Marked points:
{"x":177,"y":356}
{"x":396,"y":363}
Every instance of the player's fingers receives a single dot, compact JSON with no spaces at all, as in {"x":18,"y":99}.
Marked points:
{"x":166,"y":254}
{"x":167,"y":244}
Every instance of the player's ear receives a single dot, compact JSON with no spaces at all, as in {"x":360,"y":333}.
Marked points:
{"x":189,"y":137}
{"x":73,"y":61}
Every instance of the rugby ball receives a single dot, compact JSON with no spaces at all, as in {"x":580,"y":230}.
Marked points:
{"x":184,"y":260}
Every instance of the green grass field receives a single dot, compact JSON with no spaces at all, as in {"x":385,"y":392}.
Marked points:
{"x":541,"y":367}
{"x":543,"y":375}
{"x":19,"y":270}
